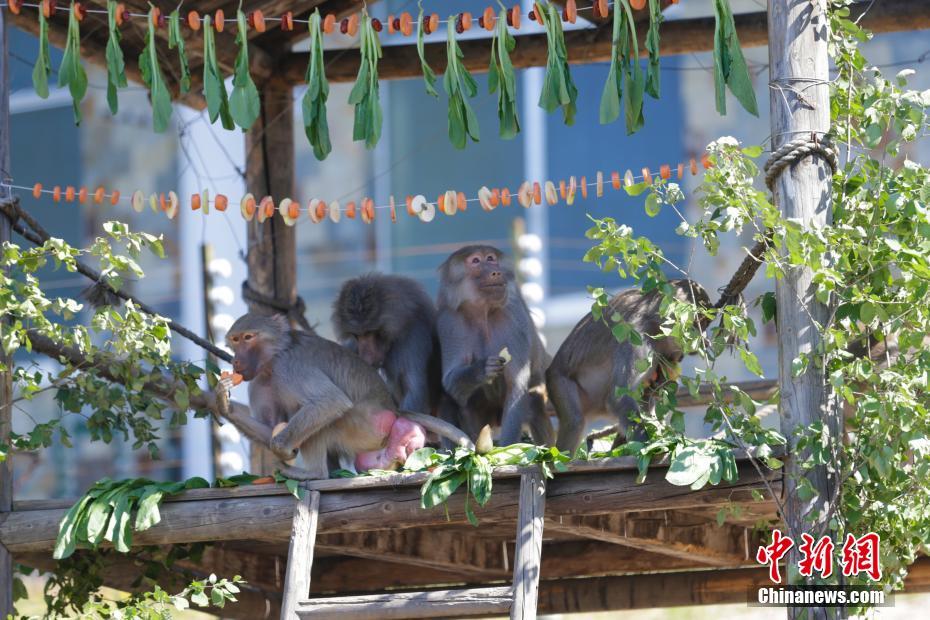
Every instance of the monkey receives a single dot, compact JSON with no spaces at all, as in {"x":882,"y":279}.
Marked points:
{"x":390,"y":322}
{"x":333,"y":403}
{"x":482,"y":320}
{"x":591,"y":364}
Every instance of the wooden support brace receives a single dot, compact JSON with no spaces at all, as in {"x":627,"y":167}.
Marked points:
{"x":300,"y":553}
{"x":528,"y":557}
{"x":404,"y":605}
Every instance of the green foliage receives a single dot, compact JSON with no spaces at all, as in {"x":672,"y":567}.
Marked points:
{"x":116,"y":65}
{"x":214,"y":89}
{"x":176,"y":40}
{"x":451,"y":469}
{"x":501,"y":78}
{"x":458,"y":83}
{"x":558,"y":89}
{"x":153,"y":78}
{"x":313,"y":104}
{"x":71,"y":72}
{"x":43,"y":66}
{"x":429,"y":76}
{"x":625,"y":72}
{"x":365,"y":94}
{"x":652,"y":45}
{"x":730,"y":69}
{"x":244,"y":105}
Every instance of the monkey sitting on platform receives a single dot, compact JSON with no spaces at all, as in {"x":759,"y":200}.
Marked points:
{"x":332,"y":403}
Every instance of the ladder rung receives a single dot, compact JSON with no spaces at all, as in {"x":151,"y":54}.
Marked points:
{"x":399,"y":605}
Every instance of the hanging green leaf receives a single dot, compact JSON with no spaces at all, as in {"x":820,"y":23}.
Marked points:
{"x":71,"y":72}
{"x":176,"y":40}
{"x":244,"y":104}
{"x":730,"y":67}
{"x":558,"y":90}
{"x":613,"y":88}
{"x":652,"y":45}
{"x":116,"y":65}
{"x":214,"y":89}
{"x":365,"y":94}
{"x":43,"y":66}
{"x":151,"y":75}
{"x":314,"y":102}
{"x":458,"y":82}
{"x":501,"y":78}
{"x":429,"y":76}
{"x":634,"y":82}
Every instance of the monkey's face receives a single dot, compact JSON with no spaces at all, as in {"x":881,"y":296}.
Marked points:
{"x":490,"y":280}
{"x":250,"y":352}
{"x":371,"y":348}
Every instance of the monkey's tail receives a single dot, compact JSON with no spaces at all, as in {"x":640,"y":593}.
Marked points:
{"x":440,"y":427}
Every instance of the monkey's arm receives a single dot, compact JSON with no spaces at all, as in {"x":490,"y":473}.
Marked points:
{"x":460,"y":378}
{"x":413,"y":358}
{"x":322,"y":404}
{"x":240,"y":416}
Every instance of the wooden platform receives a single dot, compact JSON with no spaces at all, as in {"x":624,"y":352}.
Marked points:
{"x":373,"y":537}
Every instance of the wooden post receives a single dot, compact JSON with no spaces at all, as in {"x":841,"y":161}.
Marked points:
{"x":6,"y":376}
{"x":528,"y":555}
{"x":272,"y":257}
{"x":800,"y":108}
{"x":300,"y":554}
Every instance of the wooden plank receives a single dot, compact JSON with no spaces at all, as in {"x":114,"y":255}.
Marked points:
{"x":6,"y":376}
{"x":269,"y":518}
{"x":300,"y":553}
{"x":403,"y":605}
{"x":666,"y":533}
{"x":527,"y":561}
{"x":431,"y":548}
{"x":799,"y":67}
{"x":684,"y":36}
{"x":272,"y":256}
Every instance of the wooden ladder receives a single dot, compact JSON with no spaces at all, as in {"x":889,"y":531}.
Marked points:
{"x":519,"y":599}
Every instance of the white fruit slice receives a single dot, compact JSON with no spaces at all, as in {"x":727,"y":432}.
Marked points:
{"x":335,"y":211}
{"x":153,"y":203}
{"x":628,"y":179}
{"x":312,"y":208}
{"x":422,"y":209}
{"x":525,"y":194}
{"x":247,"y":207}
{"x":552,"y":194}
{"x":263,"y":210}
{"x":449,"y":202}
{"x":284,"y":209}
{"x":505,"y":354}
{"x":205,"y":201}
{"x":428,"y":212}
{"x":173,"y":204}
{"x":600,"y":183}
{"x":572,"y":189}
{"x":484,"y":199}
{"x":138,"y":201}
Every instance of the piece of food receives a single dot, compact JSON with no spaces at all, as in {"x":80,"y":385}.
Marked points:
{"x":233,"y":377}
{"x":138,"y":201}
{"x":285,"y":209}
{"x":647,"y":176}
{"x":193,"y":19}
{"x":537,"y":192}
{"x":36,"y":190}
{"x":524,"y":194}
{"x":628,"y":179}
{"x":313,"y":210}
{"x":681,"y":170}
{"x":219,"y":20}
{"x":173,"y":205}
{"x":114,"y":197}
{"x":572,"y":190}
{"x":484,"y":443}
{"x":350,"y":210}
{"x":505,"y":355}
{"x":265,"y":209}
{"x":665,"y":171}
{"x":484,"y":199}
{"x":449,"y":202}
{"x":82,"y":195}
{"x":247,"y":207}
{"x":600,"y":184}
{"x":69,"y":193}
{"x":99,"y":193}
{"x":615,"y":179}
{"x":221,"y":202}
{"x":335,"y":211}
{"x":505,"y":197}
{"x":584,"y":187}
{"x":552,"y":195}
{"x":56,"y":193}
{"x":393,"y":211}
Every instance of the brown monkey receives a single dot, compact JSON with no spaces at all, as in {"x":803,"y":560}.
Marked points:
{"x":480,"y":314}
{"x":591,"y":364}
{"x":390,"y":322}
{"x":334,"y":404}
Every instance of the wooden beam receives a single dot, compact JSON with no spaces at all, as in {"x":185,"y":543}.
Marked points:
{"x":431,"y":548}
{"x":6,"y":373}
{"x":269,"y":517}
{"x":667,"y":533}
{"x":799,"y":67}
{"x":403,"y":605}
{"x":300,"y":553}
{"x":528,"y":556}
{"x":272,"y":245}
{"x":683,"y":36}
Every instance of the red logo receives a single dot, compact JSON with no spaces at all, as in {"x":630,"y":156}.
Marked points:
{"x":771,"y":554}
{"x":860,"y":555}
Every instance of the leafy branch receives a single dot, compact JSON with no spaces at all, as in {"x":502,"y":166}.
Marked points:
{"x":458,"y":83}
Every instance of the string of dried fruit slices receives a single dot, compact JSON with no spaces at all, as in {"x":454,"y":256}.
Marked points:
{"x":448,"y":203}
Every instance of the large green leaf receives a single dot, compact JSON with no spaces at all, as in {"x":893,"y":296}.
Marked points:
{"x":244,"y":103}
{"x":730,"y":68}
{"x":502,"y":80}
{"x":116,"y":65}
{"x":429,"y":76}
{"x":176,"y":40}
{"x":365,"y":93}
{"x":558,"y":90}
{"x":71,"y":72}
{"x":652,"y":45}
{"x":153,"y":78}
{"x":459,"y":86}
{"x":43,"y":66}
{"x":313,"y":105}
{"x":214,"y":88}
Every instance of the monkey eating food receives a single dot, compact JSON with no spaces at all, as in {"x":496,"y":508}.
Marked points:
{"x":333,"y":403}
{"x":492,"y":357}
{"x":591,"y":364}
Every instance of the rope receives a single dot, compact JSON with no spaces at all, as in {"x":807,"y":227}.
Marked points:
{"x":295,"y":312}
{"x":794,"y":151}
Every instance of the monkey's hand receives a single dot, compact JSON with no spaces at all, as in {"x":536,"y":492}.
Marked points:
{"x":277,"y":445}
{"x":493,"y":367}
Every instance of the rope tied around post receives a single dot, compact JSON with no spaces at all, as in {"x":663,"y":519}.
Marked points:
{"x":793,"y":151}
{"x":295,"y":312}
